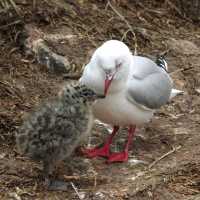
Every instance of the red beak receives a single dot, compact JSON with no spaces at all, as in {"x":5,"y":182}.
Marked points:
{"x":107,"y":83}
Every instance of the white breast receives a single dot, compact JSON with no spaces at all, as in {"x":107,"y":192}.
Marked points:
{"x":115,"y":109}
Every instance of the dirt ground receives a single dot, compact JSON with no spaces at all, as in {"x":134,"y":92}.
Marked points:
{"x":168,"y":147}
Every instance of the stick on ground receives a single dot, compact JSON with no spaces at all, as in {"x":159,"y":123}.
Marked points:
{"x":76,"y":191}
{"x":163,"y":156}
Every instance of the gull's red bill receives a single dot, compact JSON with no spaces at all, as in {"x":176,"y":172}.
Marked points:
{"x":107,"y":83}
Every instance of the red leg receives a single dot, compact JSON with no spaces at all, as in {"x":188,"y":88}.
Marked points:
{"x":123,"y":156}
{"x":103,"y":151}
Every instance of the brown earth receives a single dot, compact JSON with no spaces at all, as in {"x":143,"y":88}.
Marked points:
{"x":159,"y":27}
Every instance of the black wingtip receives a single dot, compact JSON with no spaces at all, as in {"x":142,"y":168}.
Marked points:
{"x":161,"y":62}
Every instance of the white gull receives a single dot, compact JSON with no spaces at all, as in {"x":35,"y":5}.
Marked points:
{"x":134,"y":86}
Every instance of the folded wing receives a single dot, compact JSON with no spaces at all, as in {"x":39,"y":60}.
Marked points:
{"x":149,"y":85}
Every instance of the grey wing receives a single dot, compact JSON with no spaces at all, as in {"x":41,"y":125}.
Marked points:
{"x":152,"y":91}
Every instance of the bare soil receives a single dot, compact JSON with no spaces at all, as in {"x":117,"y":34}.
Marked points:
{"x":172,"y":134}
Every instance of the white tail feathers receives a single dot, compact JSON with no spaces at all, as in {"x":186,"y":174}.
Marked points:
{"x":175,"y":92}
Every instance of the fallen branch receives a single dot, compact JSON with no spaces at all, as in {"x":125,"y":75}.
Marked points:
{"x":163,"y":156}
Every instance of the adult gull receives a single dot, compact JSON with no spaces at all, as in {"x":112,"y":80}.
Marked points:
{"x":134,"y":86}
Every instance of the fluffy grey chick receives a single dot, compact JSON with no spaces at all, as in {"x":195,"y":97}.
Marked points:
{"x":55,"y":129}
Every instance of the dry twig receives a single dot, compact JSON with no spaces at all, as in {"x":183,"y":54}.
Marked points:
{"x":181,"y":70}
{"x":15,"y":7}
{"x":12,"y":90}
{"x":76,"y":191}
{"x":7,"y":4}
{"x":88,"y":178}
{"x":177,"y":71}
{"x":174,"y":7}
{"x":10,"y":24}
{"x":72,"y":177}
{"x":163,"y":156}
{"x":130,"y":29}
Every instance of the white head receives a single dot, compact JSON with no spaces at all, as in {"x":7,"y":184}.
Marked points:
{"x":112,"y":60}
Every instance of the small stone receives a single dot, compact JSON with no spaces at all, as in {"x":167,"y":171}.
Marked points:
{"x":54,"y":62}
{"x":2,"y":155}
{"x":198,"y":90}
{"x":183,"y":47}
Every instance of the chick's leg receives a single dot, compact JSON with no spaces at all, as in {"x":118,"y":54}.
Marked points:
{"x":53,"y":184}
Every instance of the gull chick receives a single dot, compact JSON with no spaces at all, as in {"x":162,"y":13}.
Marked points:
{"x":55,"y":129}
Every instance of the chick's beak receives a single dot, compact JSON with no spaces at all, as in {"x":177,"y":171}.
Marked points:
{"x":107,"y":82}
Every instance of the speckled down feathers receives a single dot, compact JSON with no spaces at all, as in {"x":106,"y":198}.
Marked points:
{"x":55,"y":129}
